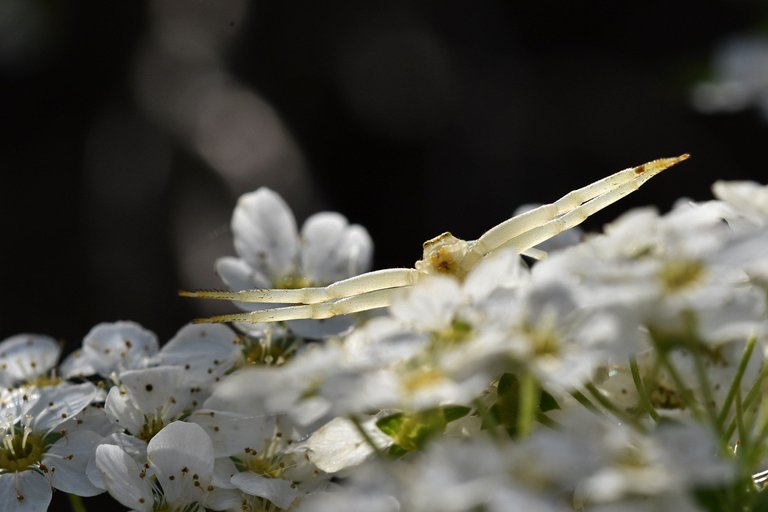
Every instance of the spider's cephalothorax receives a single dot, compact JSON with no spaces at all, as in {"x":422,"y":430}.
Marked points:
{"x":443,"y":254}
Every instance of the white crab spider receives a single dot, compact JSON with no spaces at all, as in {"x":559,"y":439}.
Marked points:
{"x":442,"y":254}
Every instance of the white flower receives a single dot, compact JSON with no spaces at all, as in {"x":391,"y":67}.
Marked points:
{"x":111,"y":347}
{"x":601,"y":461}
{"x":656,"y":270}
{"x":561,"y":343}
{"x":178,"y":474}
{"x":291,"y":389}
{"x":338,"y":444}
{"x":740,"y":68}
{"x":748,"y":199}
{"x":206,"y":352}
{"x":34,"y":457}
{"x":371,"y":487}
{"x":444,"y":343}
{"x":147,"y":400}
{"x":674,"y":457}
{"x":272,"y":253}
{"x":259,"y":457}
{"x":459,"y":475}
{"x":27,"y":357}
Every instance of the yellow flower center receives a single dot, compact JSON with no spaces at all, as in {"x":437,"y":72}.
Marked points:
{"x":20,"y":450}
{"x":678,"y":275}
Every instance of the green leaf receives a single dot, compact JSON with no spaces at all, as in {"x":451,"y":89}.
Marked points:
{"x":454,"y":412}
{"x":390,"y":425}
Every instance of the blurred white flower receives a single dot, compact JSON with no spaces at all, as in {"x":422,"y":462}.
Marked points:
{"x":673,"y":457}
{"x":110,"y":348}
{"x":338,"y":444}
{"x":291,"y":389}
{"x":28,"y":359}
{"x":273,"y":254}
{"x":749,"y":200}
{"x":204,"y":352}
{"x":259,"y":457}
{"x":740,"y":77}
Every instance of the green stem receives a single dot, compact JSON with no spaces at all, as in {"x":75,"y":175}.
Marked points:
{"x":359,"y":426}
{"x":529,"y":403}
{"x":706,"y":388}
{"x":584,"y":400}
{"x":736,"y":382}
{"x":755,"y":393}
{"x":685,"y":394}
{"x":547,"y":421}
{"x":642,"y":391}
{"x":76,"y":503}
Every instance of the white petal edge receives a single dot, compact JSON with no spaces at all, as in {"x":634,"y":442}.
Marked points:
{"x":122,"y":478}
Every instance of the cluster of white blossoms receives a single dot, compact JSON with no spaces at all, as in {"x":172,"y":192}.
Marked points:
{"x":739,"y":78}
{"x":622,"y":373}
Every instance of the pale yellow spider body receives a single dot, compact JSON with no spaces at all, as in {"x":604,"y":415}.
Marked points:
{"x":444,"y":254}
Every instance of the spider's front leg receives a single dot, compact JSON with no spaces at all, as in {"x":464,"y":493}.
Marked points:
{"x":535,"y":226}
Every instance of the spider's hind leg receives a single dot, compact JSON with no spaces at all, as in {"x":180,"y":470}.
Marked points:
{"x":371,"y":281}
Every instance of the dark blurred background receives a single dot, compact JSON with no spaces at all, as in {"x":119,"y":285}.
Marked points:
{"x":130,"y":128}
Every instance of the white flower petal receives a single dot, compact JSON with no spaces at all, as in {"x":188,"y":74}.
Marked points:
{"x":26,"y":356}
{"x":265,"y":233}
{"x":114,"y":347}
{"x":76,"y":364}
{"x":338,"y":444}
{"x":430,"y":304}
{"x":381,"y":341}
{"x":122,"y":410}
{"x":224,"y":499}
{"x":204,"y":351}
{"x":321,"y":329}
{"x":238,"y":275}
{"x":92,"y":418}
{"x":503,"y":269}
{"x":231,"y":433}
{"x":161,"y":388}
{"x":27,"y":491}
{"x":132,"y":446}
{"x":333,"y":250}
{"x":67,"y":460}
{"x":348,"y":500}
{"x":183,"y":473}
{"x":746,"y":197}
{"x":223,"y":471}
{"x":123,"y":478}
{"x":58,"y":404}
{"x":276,"y":490}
